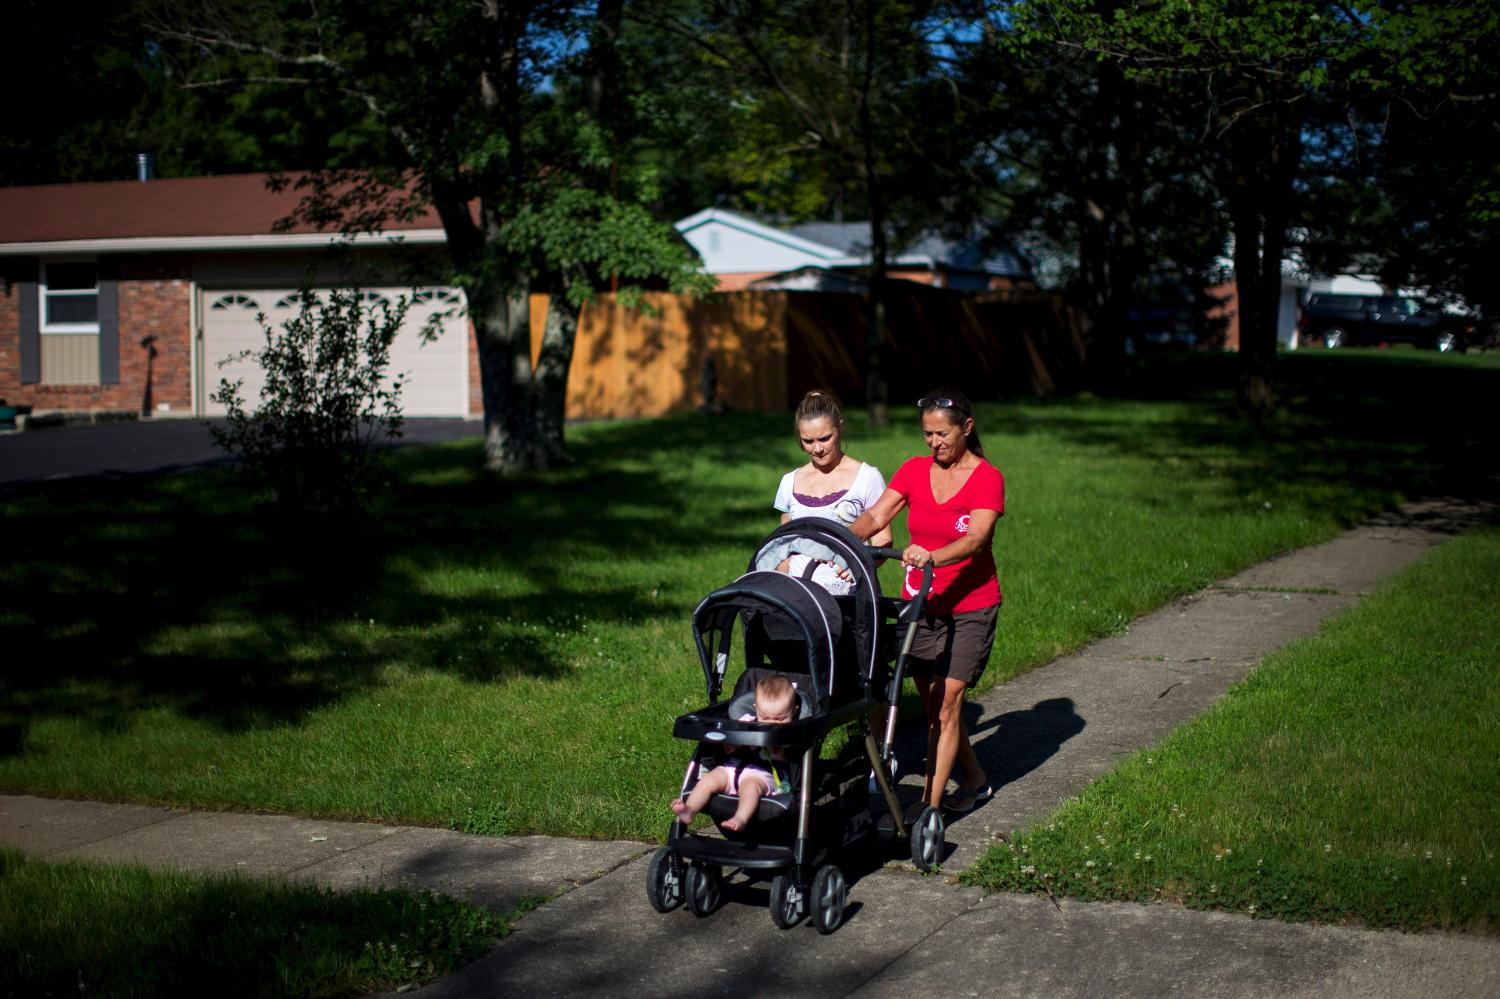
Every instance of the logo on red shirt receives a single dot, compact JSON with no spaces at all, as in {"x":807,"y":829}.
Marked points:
{"x":961,"y":525}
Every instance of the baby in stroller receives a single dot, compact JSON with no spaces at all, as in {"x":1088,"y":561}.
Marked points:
{"x":748,"y":777}
{"x":825,"y":573}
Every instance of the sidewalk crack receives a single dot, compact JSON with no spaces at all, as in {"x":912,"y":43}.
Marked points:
{"x":170,"y":816}
{"x":902,"y":955}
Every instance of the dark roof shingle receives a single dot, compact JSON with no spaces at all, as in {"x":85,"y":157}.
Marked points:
{"x":229,"y":205}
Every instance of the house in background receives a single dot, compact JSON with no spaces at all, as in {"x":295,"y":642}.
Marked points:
{"x":127,"y":296}
{"x":825,"y":256}
{"x":137,"y":298}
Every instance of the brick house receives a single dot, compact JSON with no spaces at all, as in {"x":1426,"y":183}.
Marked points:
{"x":125,"y":296}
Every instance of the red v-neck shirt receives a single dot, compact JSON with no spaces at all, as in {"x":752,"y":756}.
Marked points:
{"x":959,"y":586}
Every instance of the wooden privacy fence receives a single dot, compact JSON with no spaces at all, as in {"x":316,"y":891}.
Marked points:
{"x":769,"y":347}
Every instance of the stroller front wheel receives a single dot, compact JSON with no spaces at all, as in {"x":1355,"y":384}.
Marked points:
{"x":829,"y":894}
{"x":788,"y":902}
{"x":664,"y":881}
{"x":704,"y":886}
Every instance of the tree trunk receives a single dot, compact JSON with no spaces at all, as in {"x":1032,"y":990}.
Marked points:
{"x":502,"y":332}
{"x":1257,"y":335}
{"x":551,"y":385}
{"x":500,"y":304}
{"x":1111,"y":259}
{"x":1260,"y":207}
{"x":877,"y":389}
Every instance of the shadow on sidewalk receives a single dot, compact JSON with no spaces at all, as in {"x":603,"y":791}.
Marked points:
{"x":1013,"y":744}
{"x":1009,"y":745}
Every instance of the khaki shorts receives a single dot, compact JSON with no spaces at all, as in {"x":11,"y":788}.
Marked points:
{"x":955,"y":646}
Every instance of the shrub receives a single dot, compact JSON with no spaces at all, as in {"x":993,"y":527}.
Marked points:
{"x":309,"y":446}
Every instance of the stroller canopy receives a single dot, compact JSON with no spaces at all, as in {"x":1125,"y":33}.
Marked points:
{"x":832,"y":542}
{"x":779,"y":609}
{"x":776,"y":609}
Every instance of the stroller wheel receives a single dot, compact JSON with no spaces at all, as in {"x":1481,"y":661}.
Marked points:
{"x":703,"y":888}
{"x":829,"y":893}
{"x":788,"y":902}
{"x":927,"y":839}
{"x":664,"y":881}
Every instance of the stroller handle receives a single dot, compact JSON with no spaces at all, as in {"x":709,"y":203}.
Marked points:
{"x":927,"y":571}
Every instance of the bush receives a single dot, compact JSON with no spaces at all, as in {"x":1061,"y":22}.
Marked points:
{"x":309,"y":446}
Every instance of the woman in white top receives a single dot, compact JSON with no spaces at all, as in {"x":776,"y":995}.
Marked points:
{"x":831,"y":484}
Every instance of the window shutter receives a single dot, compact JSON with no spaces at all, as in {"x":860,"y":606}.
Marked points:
{"x":29,"y":308}
{"x":109,"y":324}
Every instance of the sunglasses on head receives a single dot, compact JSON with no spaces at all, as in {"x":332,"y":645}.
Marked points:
{"x":939,"y":403}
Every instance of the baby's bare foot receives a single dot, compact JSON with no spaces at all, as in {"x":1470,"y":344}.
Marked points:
{"x":732,"y":824}
{"x":682,"y":811}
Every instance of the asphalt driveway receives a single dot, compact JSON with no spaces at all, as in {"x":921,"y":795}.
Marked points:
{"x":141,"y":447}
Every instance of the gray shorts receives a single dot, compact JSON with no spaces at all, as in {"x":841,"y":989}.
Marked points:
{"x":954,"y":646}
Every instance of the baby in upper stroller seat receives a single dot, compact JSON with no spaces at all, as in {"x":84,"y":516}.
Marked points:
{"x":826,"y":574}
{"x":749,"y":776}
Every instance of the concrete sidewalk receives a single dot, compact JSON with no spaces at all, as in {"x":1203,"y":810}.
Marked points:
{"x":1042,"y":737}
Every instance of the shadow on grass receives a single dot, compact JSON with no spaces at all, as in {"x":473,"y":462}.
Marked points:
{"x":118,"y":598}
{"x":129,"y":596}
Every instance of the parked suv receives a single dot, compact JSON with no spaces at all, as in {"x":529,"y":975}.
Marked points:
{"x":1352,"y":320}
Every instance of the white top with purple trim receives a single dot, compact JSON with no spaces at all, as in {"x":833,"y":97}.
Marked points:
{"x":844,"y":506}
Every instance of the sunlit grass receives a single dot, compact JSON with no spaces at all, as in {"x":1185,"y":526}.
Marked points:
{"x":508,"y":656}
{"x":1352,"y":777}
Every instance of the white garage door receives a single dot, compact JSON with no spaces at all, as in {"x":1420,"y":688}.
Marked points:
{"x":436,"y":374}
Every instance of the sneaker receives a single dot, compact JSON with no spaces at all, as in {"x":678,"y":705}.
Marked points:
{"x":875,"y":784}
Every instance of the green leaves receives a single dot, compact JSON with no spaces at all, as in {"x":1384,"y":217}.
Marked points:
{"x":306,"y":442}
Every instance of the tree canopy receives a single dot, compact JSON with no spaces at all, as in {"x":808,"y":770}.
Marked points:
{"x":1135,"y":142}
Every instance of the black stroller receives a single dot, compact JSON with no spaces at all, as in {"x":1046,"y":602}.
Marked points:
{"x":842,"y":655}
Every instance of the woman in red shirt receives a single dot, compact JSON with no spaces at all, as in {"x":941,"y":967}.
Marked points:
{"x":953,"y":499}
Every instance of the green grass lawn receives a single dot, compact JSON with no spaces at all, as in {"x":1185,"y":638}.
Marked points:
{"x":508,"y":656}
{"x":76,"y":928}
{"x":1355,"y":776}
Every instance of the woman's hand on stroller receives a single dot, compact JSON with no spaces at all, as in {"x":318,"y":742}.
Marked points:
{"x":917,"y":557}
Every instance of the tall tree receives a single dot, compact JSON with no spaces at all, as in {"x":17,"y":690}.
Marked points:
{"x":1258,"y":82}
{"x":469,"y":94}
{"x":1409,"y":191}
{"x":1242,"y":76}
{"x":123,"y":94}
{"x":1103,"y":182}
{"x":829,"y":99}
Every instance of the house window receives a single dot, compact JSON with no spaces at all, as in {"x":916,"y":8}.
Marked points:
{"x":226,"y":302}
{"x":69,"y":314}
{"x":70,"y":298}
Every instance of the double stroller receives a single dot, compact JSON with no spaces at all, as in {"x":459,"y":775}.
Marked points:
{"x":846,"y":656}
